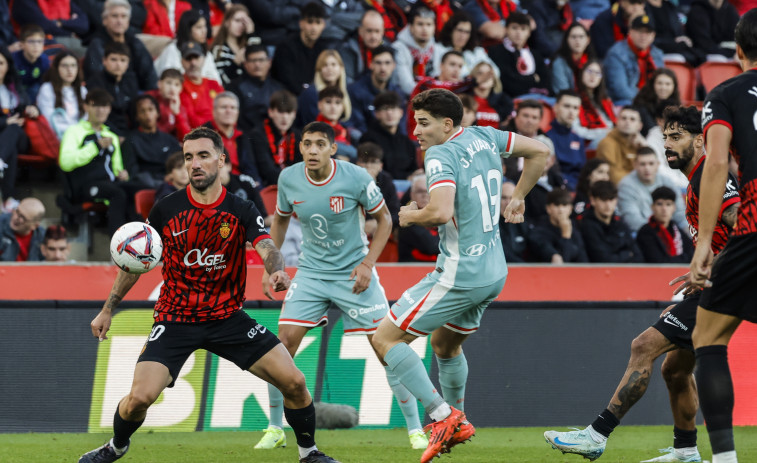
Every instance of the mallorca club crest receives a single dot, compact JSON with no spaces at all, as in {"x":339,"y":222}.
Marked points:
{"x":225,"y":230}
{"x":336,"y":203}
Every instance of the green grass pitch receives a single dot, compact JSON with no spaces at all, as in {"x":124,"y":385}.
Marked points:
{"x":628,"y":444}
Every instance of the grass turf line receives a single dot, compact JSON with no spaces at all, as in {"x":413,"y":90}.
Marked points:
{"x":512,"y":445}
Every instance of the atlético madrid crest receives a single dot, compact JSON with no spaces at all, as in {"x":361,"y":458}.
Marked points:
{"x":336,"y":203}
{"x":225,"y":230}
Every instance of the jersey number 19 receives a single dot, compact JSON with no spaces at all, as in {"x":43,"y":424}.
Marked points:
{"x":489,"y":195}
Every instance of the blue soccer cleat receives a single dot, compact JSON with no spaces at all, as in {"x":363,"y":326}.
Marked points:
{"x":579,"y":442}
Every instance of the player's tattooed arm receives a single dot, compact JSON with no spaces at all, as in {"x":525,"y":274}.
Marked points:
{"x":122,"y":285}
{"x":272,"y":258}
{"x":729,"y":215}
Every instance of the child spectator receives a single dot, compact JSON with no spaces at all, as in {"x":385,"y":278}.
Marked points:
{"x":197,"y":93}
{"x":470,"y":109}
{"x":31,"y":62}
{"x":331,"y":111}
{"x":173,"y":116}
{"x":661,"y":240}
{"x":329,"y":72}
{"x":111,"y":78}
{"x":176,"y":176}
{"x":192,"y":26}
{"x":575,"y":52}
{"x":231,"y":39}
{"x":399,"y":151}
{"x":276,"y":143}
{"x":593,"y":171}
{"x":494,"y":107}
{"x":555,"y":237}
{"x":61,"y":98}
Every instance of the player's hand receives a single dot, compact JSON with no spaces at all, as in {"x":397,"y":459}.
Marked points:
{"x":700,"y":268}
{"x":279,"y":281}
{"x":362,"y":275}
{"x":406,"y":213}
{"x":266,"y":285}
{"x":685,"y":285}
{"x":514,"y":211}
{"x":100,"y":325}
{"x":667,"y":309}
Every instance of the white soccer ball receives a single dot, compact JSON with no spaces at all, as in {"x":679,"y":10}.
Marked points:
{"x":136,"y":247}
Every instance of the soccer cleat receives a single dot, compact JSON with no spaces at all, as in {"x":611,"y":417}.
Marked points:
{"x":463,"y":434}
{"x":316,"y":456}
{"x":418,"y":440}
{"x":442,"y":433}
{"x":273,"y":438}
{"x":104,"y":454}
{"x":578,"y":442}
{"x":669,"y":454}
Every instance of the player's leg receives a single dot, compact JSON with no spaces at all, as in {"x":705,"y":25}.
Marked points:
{"x":453,"y":367}
{"x":713,"y":375}
{"x":591,"y":441}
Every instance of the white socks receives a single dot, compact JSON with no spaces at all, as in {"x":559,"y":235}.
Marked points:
{"x":306,"y":451}
{"x":595,"y":436}
{"x":441,"y":412}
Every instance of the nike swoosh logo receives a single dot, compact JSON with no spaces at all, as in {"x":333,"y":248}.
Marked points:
{"x":179,"y":233}
{"x":298,"y":202}
{"x":404,"y":401}
{"x":558,"y":441}
{"x":667,"y":320}
{"x":378,"y":320}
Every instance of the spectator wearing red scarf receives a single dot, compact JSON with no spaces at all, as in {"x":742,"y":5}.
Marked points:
{"x":357,"y":51}
{"x":276,"y":142}
{"x":489,"y":17}
{"x":416,"y":50}
{"x":661,"y":240}
{"x":612,"y":24}
{"x":236,"y":143}
{"x":597,"y":113}
{"x":575,"y":51}
{"x":630,"y":62}
{"x":392,"y":16}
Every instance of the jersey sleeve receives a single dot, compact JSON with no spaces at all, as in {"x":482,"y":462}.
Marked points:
{"x":440,"y":168}
{"x":503,"y":141}
{"x":370,"y":194}
{"x":283,"y":206}
{"x":253,"y":223}
{"x":731,"y":193}
{"x":716,"y":111}
{"x":155,"y":219}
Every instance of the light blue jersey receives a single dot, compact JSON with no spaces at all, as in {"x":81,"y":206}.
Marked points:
{"x":470,"y":161}
{"x":332,"y":216}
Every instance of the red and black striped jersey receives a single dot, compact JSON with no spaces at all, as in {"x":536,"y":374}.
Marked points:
{"x":730,"y":197}
{"x":204,"y":268}
{"x":733,"y":104}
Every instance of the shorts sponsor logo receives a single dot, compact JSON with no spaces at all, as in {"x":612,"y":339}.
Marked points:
{"x":156,"y":332}
{"x":354,"y":313}
{"x":670,"y":319}
{"x":406,"y":296}
{"x":255,"y":330}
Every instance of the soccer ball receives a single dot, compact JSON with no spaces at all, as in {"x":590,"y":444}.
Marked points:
{"x":136,"y":247}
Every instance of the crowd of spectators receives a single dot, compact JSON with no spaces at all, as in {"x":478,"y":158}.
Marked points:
{"x":120,"y":82}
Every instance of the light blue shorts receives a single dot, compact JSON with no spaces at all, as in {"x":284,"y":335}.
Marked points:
{"x":429,"y":305}
{"x":308,"y":299}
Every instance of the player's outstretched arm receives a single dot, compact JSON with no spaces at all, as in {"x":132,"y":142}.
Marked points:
{"x":101,"y":324}
{"x":364,"y":270}
{"x":274,"y":266}
{"x":535,"y":154}
{"x":278,"y":234}
{"x":438,"y":211}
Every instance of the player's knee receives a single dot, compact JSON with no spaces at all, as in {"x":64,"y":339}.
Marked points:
{"x":295,"y":388}
{"x":674,"y":376}
{"x":138,"y":401}
{"x":444,"y":349}
{"x":640,"y":347}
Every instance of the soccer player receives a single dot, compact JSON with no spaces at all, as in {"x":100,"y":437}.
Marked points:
{"x":464,"y":177}
{"x":730,"y":292}
{"x":329,"y":198}
{"x":684,"y":148}
{"x":204,"y":231}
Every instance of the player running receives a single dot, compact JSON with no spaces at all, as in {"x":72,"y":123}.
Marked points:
{"x":336,"y":265}
{"x":728,"y":121}
{"x":684,"y":148}
{"x":464,"y":176}
{"x":204,"y":231}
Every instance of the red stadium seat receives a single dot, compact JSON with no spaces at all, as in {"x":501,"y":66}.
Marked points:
{"x":712,"y":73}
{"x":143,"y":202}
{"x":390,"y":252}
{"x":269,"y":195}
{"x":687,"y":80}
{"x":547,"y":117}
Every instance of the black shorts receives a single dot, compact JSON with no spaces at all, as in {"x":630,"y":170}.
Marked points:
{"x":734,"y":280}
{"x":238,"y":339}
{"x":678,"y":324}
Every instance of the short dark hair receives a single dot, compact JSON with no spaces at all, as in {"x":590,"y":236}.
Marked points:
{"x":174,"y":161}
{"x":172,"y":73}
{"x":142,"y":97}
{"x":99,"y":97}
{"x":382,"y":49}
{"x":566,"y":92}
{"x":331,"y":91}
{"x":559,"y":197}
{"x":630,"y":108}
{"x":516,"y":17}
{"x":604,"y":190}
{"x":688,"y":118}
{"x":283,"y":101}
{"x":27,"y":30}
{"x":116,"y":48}
{"x":746,"y":34}
{"x":420,"y":11}
{"x":645,"y":151}
{"x":440,"y":103}
{"x":387,"y":99}
{"x":313,"y":10}
{"x":369,"y":151}
{"x":529,"y":103}
{"x":665,"y":193}
{"x":452,"y":53}
{"x":205,"y":132}
{"x":320,"y":127}
{"x":255,"y":48}
{"x":54,"y":232}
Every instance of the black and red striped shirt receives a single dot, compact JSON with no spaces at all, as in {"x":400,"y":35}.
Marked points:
{"x":730,"y":197}
{"x":204,"y":267}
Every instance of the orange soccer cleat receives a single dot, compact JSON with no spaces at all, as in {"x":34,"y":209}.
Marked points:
{"x":447,"y":433}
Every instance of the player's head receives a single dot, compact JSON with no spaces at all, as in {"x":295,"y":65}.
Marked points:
{"x":438,"y":114}
{"x":663,"y":204}
{"x":317,"y":145}
{"x":54,"y":246}
{"x":746,"y":36}
{"x":604,"y":197}
{"x":203,"y":157}
{"x":682,"y":135}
